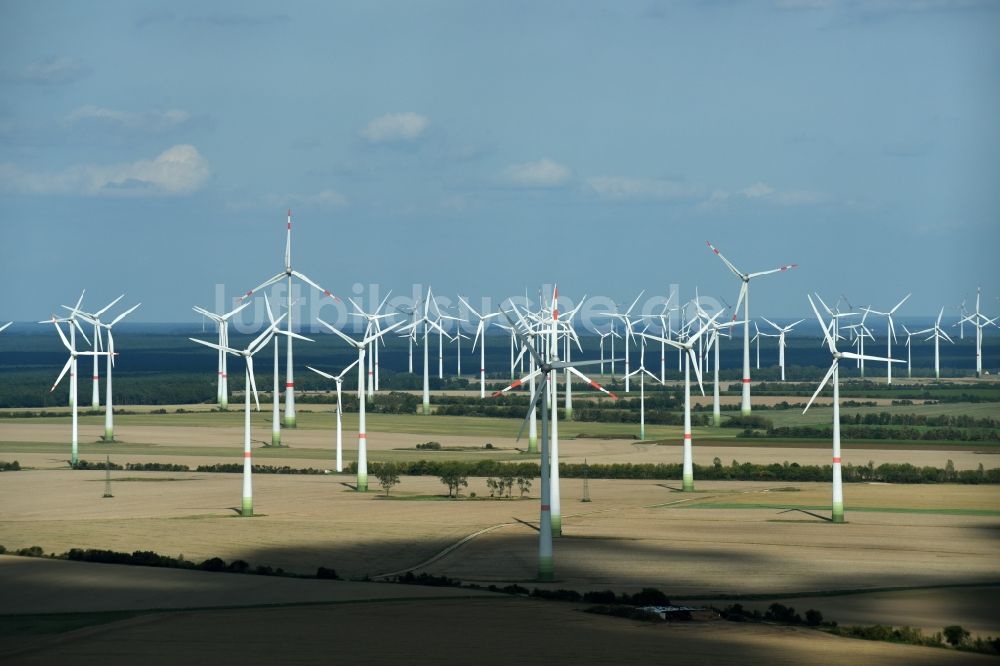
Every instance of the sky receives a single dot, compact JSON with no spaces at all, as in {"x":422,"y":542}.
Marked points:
{"x":485,"y":148}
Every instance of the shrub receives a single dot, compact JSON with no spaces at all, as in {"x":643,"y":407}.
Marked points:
{"x":956,"y":634}
{"x":327,"y":574}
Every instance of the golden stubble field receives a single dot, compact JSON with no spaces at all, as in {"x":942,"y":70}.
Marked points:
{"x":729,"y":537}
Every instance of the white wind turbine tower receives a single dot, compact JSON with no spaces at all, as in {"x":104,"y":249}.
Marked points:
{"x":361,"y":346}
{"x":71,"y":367}
{"x":95,"y":399}
{"x":288,"y":274}
{"x":627,"y":318}
{"x":980,"y":321}
{"x":757,"y":337}
{"x":480,"y":339}
{"x":109,"y":412}
{"x":744,"y":297}
{"x":550,"y":386}
{"x":833,"y":372}
{"x":642,"y":372}
{"x":688,"y":346}
{"x":222,"y":321}
{"x":937,"y":333}
{"x":428,"y":324}
{"x":890,"y":333}
{"x":782,"y":330}
{"x":339,"y":379}
{"x":250,"y":385}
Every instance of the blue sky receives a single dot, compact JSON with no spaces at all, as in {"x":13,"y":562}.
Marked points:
{"x":488,"y":147}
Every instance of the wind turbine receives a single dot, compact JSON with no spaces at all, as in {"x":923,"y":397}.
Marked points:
{"x":744,"y":297}
{"x":551,"y":520}
{"x":715,"y":342}
{"x":2,"y":328}
{"x":480,"y":339}
{"x":569,"y":337}
{"x":428,"y":324}
{"x":836,"y":315}
{"x":95,"y":399}
{"x":373,"y":323}
{"x":909,"y":350}
{"x":250,"y":385}
{"x":74,"y":325}
{"x":980,"y":321}
{"x":627,"y":318}
{"x":642,"y":372}
{"x":612,"y":333}
{"x":890,"y":333}
{"x":664,"y":318}
{"x":109,"y":412}
{"x":756,"y":338}
{"x":339,"y":379}
{"x":361,"y":346}
{"x":937,"y":333}
{"x":688,"y":346}
{"x":288,"y":274}
{"x":222,"y":321}
{"x":70,"y":366}
{"x":838,"y":489}
{"x":782,"y":330}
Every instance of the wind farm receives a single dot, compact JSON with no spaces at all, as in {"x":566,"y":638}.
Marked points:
{"x":423,"y":333}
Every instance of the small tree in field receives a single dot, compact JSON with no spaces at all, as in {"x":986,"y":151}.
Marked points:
{"x":388,"y":476}
{"x":523,"y":484}
{"x":453,"y":477}
{"x":506,"y":481}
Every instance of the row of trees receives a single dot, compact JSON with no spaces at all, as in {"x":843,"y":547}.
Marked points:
{"x":902,"y":433}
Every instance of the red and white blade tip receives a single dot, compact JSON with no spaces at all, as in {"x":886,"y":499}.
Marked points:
{"x":709,"y":244}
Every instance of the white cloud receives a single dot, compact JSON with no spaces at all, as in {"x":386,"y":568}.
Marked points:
{"x":326,"y":199}
{"x":176,"y":171}
{"x":622,"y":188}
{"x":53,"y":71}
{"x":763,"y":193}
{"x":543,"y":173}
{"x":395,"y":128}
{"x":149,"y":121}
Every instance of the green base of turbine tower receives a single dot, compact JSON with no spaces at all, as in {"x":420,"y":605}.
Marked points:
{"x":838,"y":514}
{"x":247,"y":510}
{"x":546,"y":569}
{"x":276,"y":439}
{"x":362,"y":485}
{"x":688,"y":485}
{"x":717,"y":420}
{"x":289,"y":422}
{"x":556,"y":526}
{"x":426,"y":409}
{"x":533,"y":445}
